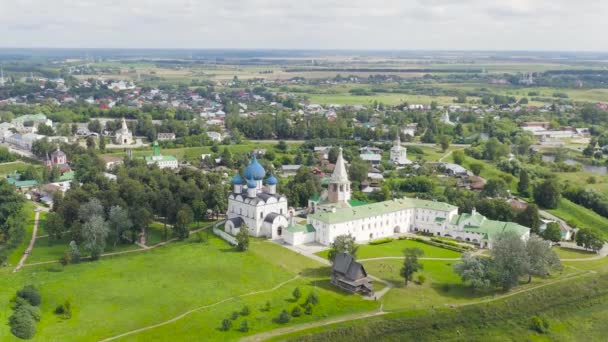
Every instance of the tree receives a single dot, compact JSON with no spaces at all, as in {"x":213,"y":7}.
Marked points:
{"x":90,"y":209}
{"x":282,"y":146}
{"x":411,"y":264}
{"x":509,"y":259}
{"x":284,"y":317}
{"x":94,"y":234}
{"x":332,"y":155}
{"x":529,"y":217}
{"x":199,"y":209}
{"x":476,"y":168}
{"x":357,"y":171}
{"x":242,"y":238}
{"x":22,"y":323}
{"x":553,"y":232}
{"x":30,"y":294}
{"x":312,"y":299}
{"x":458,"y":157}
{"x":245,"y":311}
{"x":296,"y":311}
{"x":589,"y":239}
{"x":474,"y":270}
{"x":444,"y":142}
{"x":120,"y":224}
{"x":102,"y":143}
{"x":226,"y":324}
{"x":244,"y":326}
{"x":94,"y":126}
{"x":184,"y":218}
{"x":90,"y":143}
{"x":495,"y":187}
{"x":297,"y":294}
{"x":342,"y":244}
{"x":523,"y":187}
{"x":542,"y":259}
{"x":547,"y":194}
{"x":54,"y":226}
{"x":74,"y":252}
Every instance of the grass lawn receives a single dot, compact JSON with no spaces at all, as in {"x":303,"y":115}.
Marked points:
{"x":395,"y":249}
{"x":569,"y":253}
{"x":28,"y":214}
{"x":9,"y":168}
{"x":442,"y":287}
{"x":579,"y":216}
{"x":119,"y":294}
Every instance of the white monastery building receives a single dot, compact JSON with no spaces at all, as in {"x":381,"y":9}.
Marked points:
{"x":123,"y":135}
{"x":333,"y":214}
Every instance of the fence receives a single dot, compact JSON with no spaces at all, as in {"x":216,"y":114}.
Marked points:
{"x":222,"y":234}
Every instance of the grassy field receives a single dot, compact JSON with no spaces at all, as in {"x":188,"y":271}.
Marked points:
{"x":579,"y":216}
{"x":10,"y":168}
{"x":569,"y":253}
{"x":573,"y":309}
{"x":127,"y":292}
{"x":395,"y":249}
{"x":193,"y":154}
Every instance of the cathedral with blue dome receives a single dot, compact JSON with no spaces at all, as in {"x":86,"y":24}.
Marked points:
{"x":255,"y":203}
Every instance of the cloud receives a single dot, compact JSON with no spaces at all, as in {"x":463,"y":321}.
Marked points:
{"x":341,"y":24}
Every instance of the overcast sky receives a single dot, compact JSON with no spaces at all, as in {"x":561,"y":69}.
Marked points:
{"x":307,"y":24}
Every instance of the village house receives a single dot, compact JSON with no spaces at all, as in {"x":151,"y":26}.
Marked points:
{"x":350,"y":275}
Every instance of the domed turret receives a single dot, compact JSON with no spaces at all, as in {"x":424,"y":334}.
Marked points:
{"x":237,"y":180}
{"x":272,"y":180}
{"x":252,"y":188}
{"x":255,"y":170}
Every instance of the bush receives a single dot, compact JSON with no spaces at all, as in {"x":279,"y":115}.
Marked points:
{"x":283,"y":317}
{"x":31,"y":294}
{"x":296,"y":293}
{"x":245,"y":311}
{"x":308,"y":309}
{"x":22,"y":324}
{"x":312,"y":299}
{"x":381,"y":241}
{"x":226,"y":324}
{"x":296,"y":311}
{"x":64,"y":310}
{"x":234,"y":315}
{"x":421,"y":279}
{"x":539,"y":325}
{"x":244,"y":326}
{"x":267,"y":307}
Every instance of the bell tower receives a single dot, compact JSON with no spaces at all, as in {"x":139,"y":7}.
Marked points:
{"x":339,"y":186}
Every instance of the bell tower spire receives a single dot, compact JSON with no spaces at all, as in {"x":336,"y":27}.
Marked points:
{"x":339,"y":186}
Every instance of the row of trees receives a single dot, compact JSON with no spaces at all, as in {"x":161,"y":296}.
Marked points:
{"x":511,"y":258}
{"x":12,"y":223}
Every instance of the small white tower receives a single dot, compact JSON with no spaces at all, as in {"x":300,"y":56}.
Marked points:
{"x":339,"y":185}
{"x":252,"y":188}
{"x":237,"y":181}
{"x":271,"y":185}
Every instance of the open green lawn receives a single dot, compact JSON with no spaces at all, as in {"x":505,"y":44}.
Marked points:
{"x":127,"y":292}
{"x":193,"y":154}
{"x":569,"y":253}
{"x":28,"y":215}
{"x":395,"y":249}
{"x":579,"y":216}
{"x":9,"y":168}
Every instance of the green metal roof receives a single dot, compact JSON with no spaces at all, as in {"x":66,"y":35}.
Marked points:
{"x":490,"y":228}
{"x":67,"y":176}
{"x":374,"y":209}
{"x":356,"y":203}
{"x":308,"y":228}
{"x":151,"y":159}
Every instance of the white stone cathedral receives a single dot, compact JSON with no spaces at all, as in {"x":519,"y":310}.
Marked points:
{"x":256,"y":205}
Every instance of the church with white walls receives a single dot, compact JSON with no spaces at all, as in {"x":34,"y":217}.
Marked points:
{"x":255,"y":203}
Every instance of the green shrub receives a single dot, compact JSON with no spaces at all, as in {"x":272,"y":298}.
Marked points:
{"x":312,"y":299}
{"x":64,"y":310}
{"x":234,"y":315}
{"x":226,"y":324}
{"x":245,"y":311}
{"x":244,"y":326}
{"x":297,"y":293}
{"x":296,"y":311}
{"x":421,"y":279}
{"x":22,"y":324}
{"x":283,"y":317}
{"x":539,"y":325}
{"x":267,"y":307}
{"x":31,"y":294}
{"x":381,"y":241}
{"x":308,"y":309}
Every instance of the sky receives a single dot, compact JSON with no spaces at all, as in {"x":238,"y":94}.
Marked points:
{"x":562,"y":25}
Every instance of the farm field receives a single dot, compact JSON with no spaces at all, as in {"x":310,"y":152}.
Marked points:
{"x":12,"y":167}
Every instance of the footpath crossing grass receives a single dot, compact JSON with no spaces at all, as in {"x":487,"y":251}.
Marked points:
{"x":395,"y":249}
{"x":127,"y":292}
